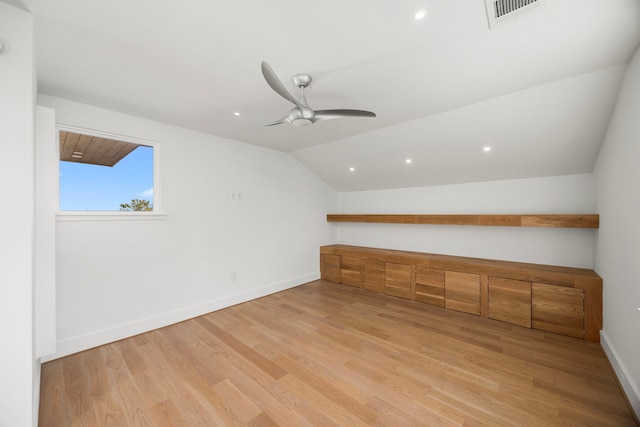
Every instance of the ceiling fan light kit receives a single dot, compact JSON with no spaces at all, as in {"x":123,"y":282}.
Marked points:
{"x":302,"y":115}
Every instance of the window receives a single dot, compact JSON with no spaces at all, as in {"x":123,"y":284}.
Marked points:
{"x":106,"y":173}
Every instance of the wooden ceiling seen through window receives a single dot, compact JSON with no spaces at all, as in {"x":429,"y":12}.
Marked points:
{"x":94,"y":150}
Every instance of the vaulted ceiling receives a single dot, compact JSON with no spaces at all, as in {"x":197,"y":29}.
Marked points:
{"x":539,"y":89}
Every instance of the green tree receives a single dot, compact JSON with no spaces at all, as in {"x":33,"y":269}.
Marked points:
{"x":137,"y":205}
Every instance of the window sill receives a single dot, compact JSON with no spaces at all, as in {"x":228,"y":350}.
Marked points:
{"x":109,"y":216}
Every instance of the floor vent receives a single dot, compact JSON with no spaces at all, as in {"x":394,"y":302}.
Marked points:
{"x":499,"y":11}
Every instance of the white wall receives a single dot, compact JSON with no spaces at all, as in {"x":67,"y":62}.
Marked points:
{"x":556,"y":246}
{"x":118,"y":278}
{"x":617,"y":197}
{"x":19,"y":371}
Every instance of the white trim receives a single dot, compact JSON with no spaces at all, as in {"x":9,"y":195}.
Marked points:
{"x":105,"y":336}
{"x":37,"y":377}
{"x":46,"y":202}
{"x":157,"y":192}
{"x":104,"y":134}
{"x":629,"y":387}
{"x":108,"y":216}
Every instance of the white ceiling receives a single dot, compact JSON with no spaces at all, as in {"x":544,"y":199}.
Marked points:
{"x":539,"y":89}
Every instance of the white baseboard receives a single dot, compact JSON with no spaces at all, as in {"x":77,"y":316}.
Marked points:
{"x":105,"y":336}
{"x":629,"y":387}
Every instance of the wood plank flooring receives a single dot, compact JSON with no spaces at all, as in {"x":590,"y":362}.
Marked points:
{"x":324,"y":354}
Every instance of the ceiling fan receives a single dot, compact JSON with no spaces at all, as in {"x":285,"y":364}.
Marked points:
{"x":302,"y":114}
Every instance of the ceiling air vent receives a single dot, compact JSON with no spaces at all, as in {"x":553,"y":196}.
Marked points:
{"x":499,"y":11}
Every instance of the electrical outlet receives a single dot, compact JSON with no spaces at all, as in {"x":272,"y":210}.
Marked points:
{"x":234,"y":276}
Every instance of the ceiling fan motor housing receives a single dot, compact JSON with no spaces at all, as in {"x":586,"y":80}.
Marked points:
{"x":301,"y":117}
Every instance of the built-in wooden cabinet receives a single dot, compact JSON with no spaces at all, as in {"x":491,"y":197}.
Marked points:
{"x":561,"y":300}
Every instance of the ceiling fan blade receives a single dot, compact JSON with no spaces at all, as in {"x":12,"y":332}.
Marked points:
{"x":339,"y":114}
{"x":276,"y":84}
{"x":285,"y":119}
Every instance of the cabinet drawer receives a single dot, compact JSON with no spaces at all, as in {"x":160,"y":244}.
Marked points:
{"x":351,"y":278}
{"x":331,"y":268}
{"x":557,"y":309}
{"x":398,"y":280}
{"x":374,"y":275}
{"x":510,"y":301}
{"x":350,"y":274}
{"x":462,"y":292}
{"x":430,"y":286}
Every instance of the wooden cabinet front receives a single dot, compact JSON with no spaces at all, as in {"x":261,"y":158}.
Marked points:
{"x":331,"y":270}
{"x":398,"y":280}
{"x":557,"y":309}
{"x":510,"y":301}
{"x":350,"y":272}
{"x":430,"y":286}
{"x":374,"y":275}
{"x":462,"y":292}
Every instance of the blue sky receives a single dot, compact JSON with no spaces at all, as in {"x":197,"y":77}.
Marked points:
{"x":103,"y":188}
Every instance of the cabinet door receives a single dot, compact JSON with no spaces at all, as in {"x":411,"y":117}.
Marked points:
{"x":374,"y":275}
{"x":557,"y":309}
{"x":510,"y":301}
{"x":350,"y":271}
{"x":430,"y":286}
{"x":462,"y":292}
{"x":331,"y":268}
{"x":398,"y":280}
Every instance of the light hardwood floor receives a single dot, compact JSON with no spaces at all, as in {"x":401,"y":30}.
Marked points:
{"x":324,"y":354}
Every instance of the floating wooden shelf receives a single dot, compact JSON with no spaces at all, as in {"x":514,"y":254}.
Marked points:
{"x":558,"y":221}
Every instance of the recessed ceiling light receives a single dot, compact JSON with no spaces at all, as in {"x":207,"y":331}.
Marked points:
{"x":420,"y":15}
{"x":486,"y":149}
{"x":352,"y":169}
{"x":408,"y":161}
{"x":236,"y":114}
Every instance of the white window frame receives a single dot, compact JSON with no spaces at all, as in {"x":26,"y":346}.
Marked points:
{"x":156,"y":214}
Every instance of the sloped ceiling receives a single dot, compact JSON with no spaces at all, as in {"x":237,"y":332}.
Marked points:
{"x":539,"y":90}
